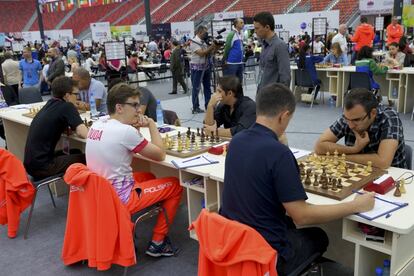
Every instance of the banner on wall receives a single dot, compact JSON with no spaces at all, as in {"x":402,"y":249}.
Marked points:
{"x":408,"y":16}
{"x":58,"y":35}
{"x":228,"y":15}
{"x":181,"y":29}
{"x":378,"y":6}
{"x":100,"y":31}
{"x":139,"y":32}
{"x":161,"y":30}
{"x":31,"y":36}
{"x":297,"y":23}
{"x":120,"y":31}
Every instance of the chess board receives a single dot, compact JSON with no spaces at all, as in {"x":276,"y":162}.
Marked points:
{"x":190,"y":146}
{"x":351,"y":176}
{"x":33,"y":112}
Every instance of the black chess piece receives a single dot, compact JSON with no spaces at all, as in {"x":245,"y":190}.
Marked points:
{"x":333,"y":185}
{"x":193,"y":138}
{"x":212,"y":137}
{"x":189,"y":132}
{"x":217,"y":139}
{"x":198,"y":132}
{"x":179,"y":135}
{"x":308,"y":177}
{"x":315,"y":181}
{"x":339,"y":183}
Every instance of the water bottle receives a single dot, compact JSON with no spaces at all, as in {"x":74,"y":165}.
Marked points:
{"x":160,"y":115}
{"x":378,"y":271}
{"x":386,"y":269}
{"x":395,"y":93}
{"x":92,"y":103}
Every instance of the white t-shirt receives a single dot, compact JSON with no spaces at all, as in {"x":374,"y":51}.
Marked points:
{"x":195,"y":45}
{"x":340,"y":38}
{"x":317,"y":47}
{"x":110,"y":147}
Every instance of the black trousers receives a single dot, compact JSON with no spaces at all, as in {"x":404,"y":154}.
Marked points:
{"x":59,"y":164}
{"x":305,"y":243}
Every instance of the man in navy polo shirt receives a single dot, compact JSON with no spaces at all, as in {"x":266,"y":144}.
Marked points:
{"x":262,"y":186}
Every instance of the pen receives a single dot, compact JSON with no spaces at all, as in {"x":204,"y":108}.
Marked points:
{"x":192,"y":159}
{"x":388,"y":215}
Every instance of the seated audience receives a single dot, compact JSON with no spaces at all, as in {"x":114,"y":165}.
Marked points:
{"x":372,"y":132}
{"x":110,"y":147}
{"x":366,"y":63}
{"x":263,"y":189}
{"x":394,"y":58}
{"x":89,"y":86}
{"x":230,"y":108}
{"x":59,"y":114}
{"x":307,"y":61}
{"x":336,"y":56}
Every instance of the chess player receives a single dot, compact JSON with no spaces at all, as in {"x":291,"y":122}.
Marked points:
{"x":262,"y":186}
{"x":372,"y":132}
{"x":110,"y":147}
{"x":89,"y":86}
{"x":228,"y":110}
{"x":59,"y":113}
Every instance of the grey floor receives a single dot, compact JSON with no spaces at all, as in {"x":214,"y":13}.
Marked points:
{"x":40,"y":254}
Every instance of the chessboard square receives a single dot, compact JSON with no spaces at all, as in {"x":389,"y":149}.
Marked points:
{"x":355,"y":178}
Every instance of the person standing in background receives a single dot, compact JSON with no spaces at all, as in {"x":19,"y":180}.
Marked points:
{"x":11,"y":72}
{"x":233,"y":51}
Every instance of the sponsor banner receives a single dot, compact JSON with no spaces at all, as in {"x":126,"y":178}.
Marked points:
{"x":100,"y":31}
{"x":58,"y":35}
{"x":298,"y":23}
{"x":378,"y":6}
{"x":139,"y":32}
{"x":228,"y":15}
{"x":120,"y":31}
{"x":181,"y":29}
{"x":31,"y":36}
{"x":408,"y":16}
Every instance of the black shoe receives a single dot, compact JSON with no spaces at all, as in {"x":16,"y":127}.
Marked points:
{"x":172,"y":93}
{"x":165,"y":249}
{"x":185,"y":92}
{"x":197,"y":110}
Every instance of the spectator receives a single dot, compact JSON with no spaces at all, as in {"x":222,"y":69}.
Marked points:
{"x":307,"y":61}
{"x":340,"y":38}
{"x":11,"y":72}
{"x":364,"y":36}
{"x":57,"y":66}
{"x":176,"y":67}
{"x":30,"y":69}
{"x":317,"y":46}
{"x":233,"y":51}
{"x":394,"y":31}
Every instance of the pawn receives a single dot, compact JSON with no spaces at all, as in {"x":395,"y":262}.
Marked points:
{"x":369,"y":166}
{"x":308,"y":177}
{"x":302,"y":169}
{"x":402,"y":186}
{"x":333,"y":185}
{"x":339,"y":183}
{"x":315,"y":181}
{"x":397,"y":192}
{"x":198,"y":132}
{"x":325,"y":185}
{"x":179,"y":135}
{"x":188,"y":132}
{"x":212,"y":137}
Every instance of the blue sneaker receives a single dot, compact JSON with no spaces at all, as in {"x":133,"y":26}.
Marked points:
{"x":165,"y":249}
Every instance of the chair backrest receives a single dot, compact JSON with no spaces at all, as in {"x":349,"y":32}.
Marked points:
{"x":251,"y":64}
{"x":30,"y":95}
{"x":163,"y":68}
{"x":9,"y":95}
{"x":303,"y":78}
{"x":359,"y":80}
{"x":171,"y":118}
{"x":409,"y":156}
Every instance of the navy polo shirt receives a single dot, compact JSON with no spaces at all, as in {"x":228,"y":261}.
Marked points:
{"x":260,"y":174}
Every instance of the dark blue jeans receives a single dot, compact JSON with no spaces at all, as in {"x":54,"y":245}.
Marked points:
{"x":234,"y":70}
{"x":198,"y":77}
{"x":305,"y":243}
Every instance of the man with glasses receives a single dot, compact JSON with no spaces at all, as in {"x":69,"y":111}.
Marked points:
{"x":372,"y":132}
{"x":58,"y":114}
{"x":110,"y":147}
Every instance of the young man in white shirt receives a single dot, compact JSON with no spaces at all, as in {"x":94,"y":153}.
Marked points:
{"x":110,"y":148}
{"x":341,"y":38}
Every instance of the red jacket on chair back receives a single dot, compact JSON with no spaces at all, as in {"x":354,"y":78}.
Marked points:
{"x":16,"y":191}
{"x":98,"y":226}
{"x":229,"y":248}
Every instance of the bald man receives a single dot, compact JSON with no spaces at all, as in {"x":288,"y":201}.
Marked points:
{"x":340,"y":37}
{"x":56,"y":67}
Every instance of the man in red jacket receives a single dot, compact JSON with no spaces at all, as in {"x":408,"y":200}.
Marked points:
{"x":364,"y":36}
{"x":110,"y":147}
{"x":394,"y":31}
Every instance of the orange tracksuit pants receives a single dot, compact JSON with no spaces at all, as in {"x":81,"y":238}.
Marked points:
{"x":166,"y":190}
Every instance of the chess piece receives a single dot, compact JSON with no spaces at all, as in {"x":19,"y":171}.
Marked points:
{"x":402,"y":186}
{"x":397,"y":192}
{"x":178,"y":135}
{"x":187,"y":143}
{"x":198,"y":132}
{"x":179,"y":145}
{"x":315,"y":181}
{"x":196,"y":146}
{"x":302,"y":169}
{"x":308,"y":177}
{"x":217,"y":139}
{"x":189,"y":132}
{"x":339,"y":183}
{"x":192,"y":138}
{"x":333,"y":185}
{"x":325,"y":185}
{"x":202,"y":138}
{"x":212,"y":137}
{"x":369,"y":167}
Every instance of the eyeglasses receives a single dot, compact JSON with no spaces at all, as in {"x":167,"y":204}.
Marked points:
{"x":134,"y":105}
{"x":357,"y":120}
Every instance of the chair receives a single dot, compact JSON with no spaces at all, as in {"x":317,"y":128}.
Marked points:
{"x":39,"y":184}
{"x":250,"y":71}
{"x":163,"y":69}
{"x":361,"y":80}
{"x":171,"y":118}
{"x":305,"y":267}
{"x":30,"y":95}
{"x":304,"y":80}
{"x":9,"y":95}
{"x":409,"y":156}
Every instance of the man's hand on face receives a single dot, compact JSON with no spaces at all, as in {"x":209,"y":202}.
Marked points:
{"x":361,"y":140}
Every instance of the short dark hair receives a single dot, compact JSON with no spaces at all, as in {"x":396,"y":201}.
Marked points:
{"x":365,"y":52}
{"x":273,"y":99}
{"x":395,"y":44}
{"x":201,"y":28}
{"x":175,"y":43}
{"x":119,"y":94}
{"x":62,"y":85}
{"x":364,"y":19}
{"x":232,"y":83}
{"x":265,"y":18}
{"x":361,"y":96}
